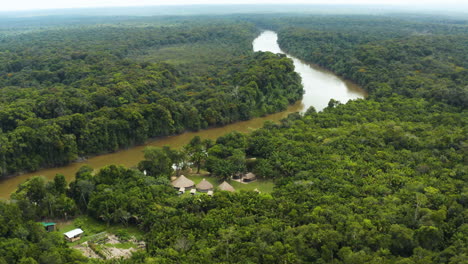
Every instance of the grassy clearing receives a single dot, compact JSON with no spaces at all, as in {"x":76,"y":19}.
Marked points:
{"x":91,"y":227}
{"x":65,"y":226}
{"x":198,"y":178}
{"x":264,"y":186}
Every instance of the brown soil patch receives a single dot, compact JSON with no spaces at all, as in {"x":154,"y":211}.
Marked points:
{"x":109,"y":251}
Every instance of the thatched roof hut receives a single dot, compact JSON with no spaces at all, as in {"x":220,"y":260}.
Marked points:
{"x":226,"y":187}
{"x":249,"y":177}
{"x":204,"y":186}
{"x":182,"y":181}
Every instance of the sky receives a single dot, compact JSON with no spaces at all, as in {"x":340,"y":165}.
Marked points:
{"x":16,"y":5}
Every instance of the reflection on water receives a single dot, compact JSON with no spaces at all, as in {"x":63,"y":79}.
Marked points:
{"x":320,"y":85}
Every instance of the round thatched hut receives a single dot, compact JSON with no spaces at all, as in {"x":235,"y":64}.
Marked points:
{"x":204,"y":186}
{"x":226,"y":187}
{"x":182,"y":182}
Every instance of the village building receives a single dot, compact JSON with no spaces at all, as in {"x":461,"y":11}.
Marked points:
{"x":204,"y":186}
{"x":249,"y":177}
{"x":237,"y":176}
{"x":49,"y":227}
{"x":73,"y":235}
{"x":183,"y":182}
{"x":225,"y":186}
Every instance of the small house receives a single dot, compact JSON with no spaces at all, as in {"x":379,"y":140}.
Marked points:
{"x":249,"y":177}
{"x":210,"y":193}
{"x":182,"y":181}
{"x":226,"y":187}
{"x":237,"y":176}
{"x":204,"y":186}
{"x":193,"y":191}
{"x":73,"y":235}
{"x":49,"y":227}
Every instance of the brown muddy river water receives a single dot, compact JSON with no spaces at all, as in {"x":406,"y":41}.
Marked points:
{"x":320,"y":86}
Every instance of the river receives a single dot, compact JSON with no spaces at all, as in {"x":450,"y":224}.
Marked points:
{"x":320,"y":86}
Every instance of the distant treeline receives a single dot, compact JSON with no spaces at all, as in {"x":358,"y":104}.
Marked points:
{"x":414,"y":59}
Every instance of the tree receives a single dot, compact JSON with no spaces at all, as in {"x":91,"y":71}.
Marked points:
{"x":157,"y":162}
{"x":237,"y":161}
{"x":196,"y":151}
{"x":402,"y":240}
{"x":429,"y":237}
{"x":60,"y":184}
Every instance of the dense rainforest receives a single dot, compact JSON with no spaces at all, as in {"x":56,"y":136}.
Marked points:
{"x":376,"y":180}
{"x":385,"y":55}
{"x":88,"y":90}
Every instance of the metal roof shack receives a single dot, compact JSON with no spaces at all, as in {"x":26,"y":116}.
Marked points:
{"x":73,"y":235}
{"x":49,"y":226}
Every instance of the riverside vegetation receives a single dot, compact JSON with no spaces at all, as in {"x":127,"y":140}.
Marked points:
{"x":81,"y":91}
{"x":380,"y":180}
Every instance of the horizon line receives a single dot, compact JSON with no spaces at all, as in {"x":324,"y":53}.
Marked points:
{"x":387,"y":5}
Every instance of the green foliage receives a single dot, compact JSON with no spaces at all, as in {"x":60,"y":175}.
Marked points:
{"x":39,"y":198}
{"x":227,"y":157}
{"x":24,"y":241}
{"x":120,"y":195}
{"x":158,"y":162}
{"x":381,"y":180}
{"x":89,"y":90}
{"x":364,"y":182}
{"x":403,"y":60}
{"x":197,"y":151}
{"x":123,"y":235}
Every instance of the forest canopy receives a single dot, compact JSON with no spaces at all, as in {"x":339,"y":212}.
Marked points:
{"x":375,"y":180}
{"x":68,"y":93}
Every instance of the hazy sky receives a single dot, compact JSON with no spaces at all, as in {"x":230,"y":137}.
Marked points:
{"x":10,"y":5}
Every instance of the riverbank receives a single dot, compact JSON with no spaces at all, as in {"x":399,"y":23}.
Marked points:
{"x":319,"y":86}
{"x":131,"y":156}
